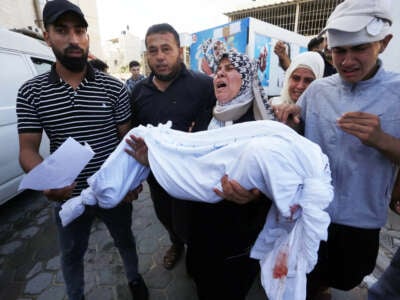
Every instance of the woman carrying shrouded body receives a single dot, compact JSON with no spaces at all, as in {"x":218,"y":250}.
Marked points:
{"x":223,"y":233}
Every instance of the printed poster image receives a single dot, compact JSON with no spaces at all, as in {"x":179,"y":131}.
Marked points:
{"x":262,"y":53}
{"x":251,"y":36}
{"x":208,"y":45}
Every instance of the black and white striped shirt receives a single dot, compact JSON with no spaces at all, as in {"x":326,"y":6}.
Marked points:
{"x":89,"y":113}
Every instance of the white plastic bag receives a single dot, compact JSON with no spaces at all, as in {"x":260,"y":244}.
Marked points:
{"x":284,"y":269}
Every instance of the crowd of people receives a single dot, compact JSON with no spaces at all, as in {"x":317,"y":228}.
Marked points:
{"x":337,"y":95}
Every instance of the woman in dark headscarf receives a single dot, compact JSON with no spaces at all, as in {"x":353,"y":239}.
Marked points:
{"x":223,"y":233}
{"x":240,"y":96}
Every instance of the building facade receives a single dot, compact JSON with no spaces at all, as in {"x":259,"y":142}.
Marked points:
{"x":26,"y":16}
{"x":306,"y":17}
{"x":119,"y":51}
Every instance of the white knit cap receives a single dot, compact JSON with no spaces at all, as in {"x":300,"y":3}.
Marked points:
{"x":355,"y":22}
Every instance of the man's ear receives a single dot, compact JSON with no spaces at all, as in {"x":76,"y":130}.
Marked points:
{"x":385,"y":42}
{"x":46,"y":38}
{"x":181,"y":53}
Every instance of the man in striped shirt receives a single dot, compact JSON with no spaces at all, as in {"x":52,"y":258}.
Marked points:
{"x":75,"y":100}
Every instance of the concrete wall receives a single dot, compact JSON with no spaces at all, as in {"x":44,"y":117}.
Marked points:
{"x":19,"y":14}
{"x":27,"y":14}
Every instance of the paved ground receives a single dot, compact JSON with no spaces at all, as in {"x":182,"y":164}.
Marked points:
{"x":30,"y":267}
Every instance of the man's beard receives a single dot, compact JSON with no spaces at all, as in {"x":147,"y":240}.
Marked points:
{"x":168,"y":77}
{"x":73,"y":64}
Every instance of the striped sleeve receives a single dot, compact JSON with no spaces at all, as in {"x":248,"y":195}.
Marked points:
{"x":27,"y":115}
{"x":123,"y":108}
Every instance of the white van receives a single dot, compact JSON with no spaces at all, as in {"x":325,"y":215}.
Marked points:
{"x":21,"y":58}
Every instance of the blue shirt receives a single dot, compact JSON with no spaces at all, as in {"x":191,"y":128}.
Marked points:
{"x":362,"y":176}
{"x":131,"y":82}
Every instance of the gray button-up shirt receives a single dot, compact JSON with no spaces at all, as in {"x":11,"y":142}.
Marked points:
{"x":362,"y":177}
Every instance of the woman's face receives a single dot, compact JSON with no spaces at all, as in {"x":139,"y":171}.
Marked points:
{"x":299,"y":80}
{"x":227,"y":82}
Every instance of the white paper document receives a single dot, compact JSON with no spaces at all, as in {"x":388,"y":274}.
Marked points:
{"x":59,"y":169}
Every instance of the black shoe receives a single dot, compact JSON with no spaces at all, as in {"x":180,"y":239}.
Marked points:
{"x":139,"y":289}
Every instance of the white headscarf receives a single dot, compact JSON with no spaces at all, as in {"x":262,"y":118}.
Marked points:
{"x":310,"y":60}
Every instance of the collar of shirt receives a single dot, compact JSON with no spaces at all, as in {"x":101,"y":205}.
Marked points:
{"x":54,"y":77}
{"x":183,"y":72}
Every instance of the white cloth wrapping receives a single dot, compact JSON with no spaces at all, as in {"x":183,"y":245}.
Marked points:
{"x":119,"y":174}
{"x":267,"y":155}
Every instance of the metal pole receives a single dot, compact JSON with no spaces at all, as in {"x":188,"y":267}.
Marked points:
{"x":297,"y":17}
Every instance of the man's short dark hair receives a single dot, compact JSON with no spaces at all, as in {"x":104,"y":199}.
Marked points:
{"x":314,"y":42}
{"x":98,"y":64}
{"x":134,"y":63}
{"x":162,"y":28}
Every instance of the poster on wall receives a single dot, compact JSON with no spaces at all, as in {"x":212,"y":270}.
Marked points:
{"x":262,"y":51}
{"x":208,"y":45}
{"x":263,"y":37}
{"x":273,"y":77}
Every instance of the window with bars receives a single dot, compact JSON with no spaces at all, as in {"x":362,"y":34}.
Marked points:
{"x":304,"y":17}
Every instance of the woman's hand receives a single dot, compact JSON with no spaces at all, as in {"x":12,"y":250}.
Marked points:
{"x":233,"y":191}
{"x":133,"y":195}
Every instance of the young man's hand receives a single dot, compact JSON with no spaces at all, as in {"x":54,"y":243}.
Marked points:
{"x":59,"y":195}
{"x":138,"y":149}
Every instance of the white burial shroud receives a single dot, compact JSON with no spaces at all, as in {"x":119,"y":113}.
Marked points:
{"x":268,"y":155}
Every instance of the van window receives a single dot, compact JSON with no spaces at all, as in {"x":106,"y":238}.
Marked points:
{"x":14,"y":72}
{"x":41,"y":65}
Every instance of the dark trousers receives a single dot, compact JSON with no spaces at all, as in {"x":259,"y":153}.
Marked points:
{"x":344,"y":259}
{"x":218,"y":250}
{"x":221,"y":278}
{"x":174,"y":214}
{"x":74,"y":240}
